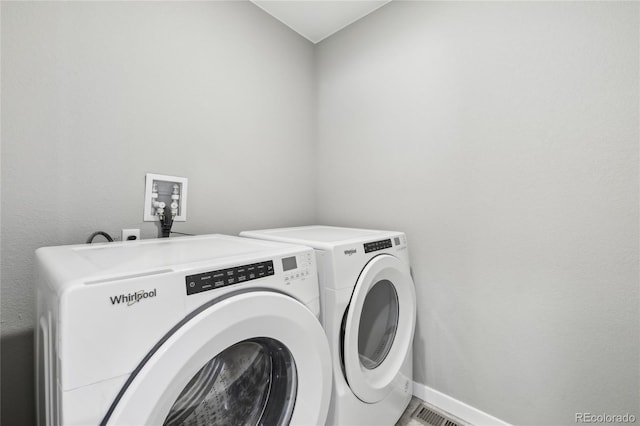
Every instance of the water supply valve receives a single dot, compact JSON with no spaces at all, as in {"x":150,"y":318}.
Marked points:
{"x":165,"y":195}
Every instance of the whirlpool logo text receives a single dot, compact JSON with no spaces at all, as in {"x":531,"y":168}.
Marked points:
{"x":350,"y":252}
{"x":132,"y":298}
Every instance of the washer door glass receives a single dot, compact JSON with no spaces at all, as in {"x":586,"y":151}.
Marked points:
{"x":378,"y":324}
{"x":250,"y":383}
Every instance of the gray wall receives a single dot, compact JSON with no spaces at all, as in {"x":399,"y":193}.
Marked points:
{"x":503,"y":138}
{"x":94,"y":95}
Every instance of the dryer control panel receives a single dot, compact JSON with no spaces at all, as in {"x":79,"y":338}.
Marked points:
{"x":377,"y":245}
{"x":229,"y":276}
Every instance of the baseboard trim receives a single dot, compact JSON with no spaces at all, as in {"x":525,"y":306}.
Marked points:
{"x":455,"y":407}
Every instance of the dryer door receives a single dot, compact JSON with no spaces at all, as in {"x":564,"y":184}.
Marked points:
{"x":378,"y":327}
{"x":255,"y":358}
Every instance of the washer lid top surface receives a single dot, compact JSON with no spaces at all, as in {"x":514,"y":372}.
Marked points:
{"x":167,"y":252}
{"x":90,"y":262}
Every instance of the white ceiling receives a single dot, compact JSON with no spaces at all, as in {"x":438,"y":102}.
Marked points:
{"x":318,"y":19}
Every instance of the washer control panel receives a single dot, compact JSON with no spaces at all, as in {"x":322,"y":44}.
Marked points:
{"x":223,"y":277}
{"x":296,"y":267}
{"x":377,"y":245}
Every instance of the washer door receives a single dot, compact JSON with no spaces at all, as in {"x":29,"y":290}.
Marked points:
{"x":379,"y":326}
{"x":255,"y":358}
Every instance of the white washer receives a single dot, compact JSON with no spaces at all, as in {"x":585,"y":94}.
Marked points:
{"x":368,"y":309}
{"x":180,"y":331}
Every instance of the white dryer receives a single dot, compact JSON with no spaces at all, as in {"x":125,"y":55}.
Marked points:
{"x":212,"y":330}
{"x":368,"y":310}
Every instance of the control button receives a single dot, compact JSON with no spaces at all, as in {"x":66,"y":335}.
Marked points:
{"x":192,"y":284}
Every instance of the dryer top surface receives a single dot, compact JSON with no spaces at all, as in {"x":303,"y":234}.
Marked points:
{"x":317,"y":236}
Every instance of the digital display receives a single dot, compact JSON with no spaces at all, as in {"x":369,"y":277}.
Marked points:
{"x":289,"y":263}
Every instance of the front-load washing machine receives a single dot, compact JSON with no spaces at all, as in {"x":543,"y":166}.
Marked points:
{"x":368,"y":310}
{"x":211,"y":330}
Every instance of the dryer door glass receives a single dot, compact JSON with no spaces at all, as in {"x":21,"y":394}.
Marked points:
{"x":378,"y":324}
{"x":378,"y":328}
{"x":250,"y":383}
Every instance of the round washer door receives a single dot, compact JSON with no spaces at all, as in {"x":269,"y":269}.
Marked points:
{"x":253,"y":358}
{"x":379,"y":327}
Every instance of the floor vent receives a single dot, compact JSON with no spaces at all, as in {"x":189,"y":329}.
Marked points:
{"x":429,"y":417}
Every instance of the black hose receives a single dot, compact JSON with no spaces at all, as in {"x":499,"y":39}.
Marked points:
{"x":95,"y":234}
{"x":166,"y":222}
